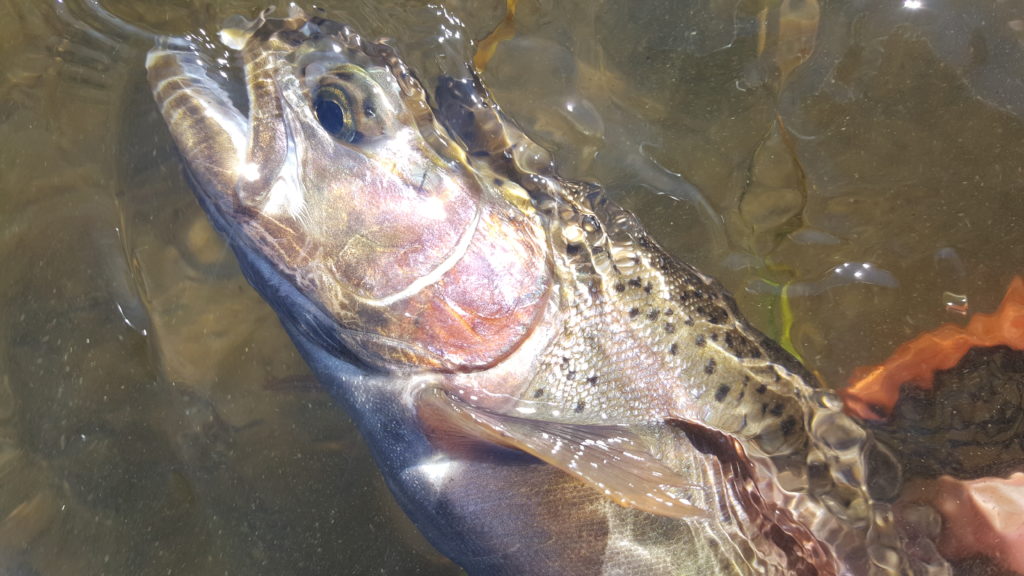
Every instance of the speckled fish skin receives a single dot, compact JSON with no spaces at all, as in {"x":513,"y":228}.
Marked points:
{"x":544,"y":388}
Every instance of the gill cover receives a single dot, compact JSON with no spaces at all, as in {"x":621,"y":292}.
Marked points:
{"x":341,"y":177}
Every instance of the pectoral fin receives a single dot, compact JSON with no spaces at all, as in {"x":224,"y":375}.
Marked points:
{"x":611,"y":459}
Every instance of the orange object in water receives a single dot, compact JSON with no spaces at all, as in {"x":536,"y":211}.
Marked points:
{"x":874,"y":390}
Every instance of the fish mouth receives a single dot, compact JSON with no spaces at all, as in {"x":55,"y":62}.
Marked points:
{"x":260,"y":119}
{"x":287,"y":62}
{"x":340,"y":178}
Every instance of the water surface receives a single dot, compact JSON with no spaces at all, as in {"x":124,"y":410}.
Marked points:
{"x":860,"y":163}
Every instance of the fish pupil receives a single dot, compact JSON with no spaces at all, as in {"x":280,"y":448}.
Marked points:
{"x":330,"y":115}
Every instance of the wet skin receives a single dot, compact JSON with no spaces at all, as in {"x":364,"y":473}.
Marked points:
{"x":544,"y":388}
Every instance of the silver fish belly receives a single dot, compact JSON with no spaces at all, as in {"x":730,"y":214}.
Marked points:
{"x":546,"y":390}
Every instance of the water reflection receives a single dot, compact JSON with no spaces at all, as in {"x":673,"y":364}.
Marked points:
{"x":154,"y":417}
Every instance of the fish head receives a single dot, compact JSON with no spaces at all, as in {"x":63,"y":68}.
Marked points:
{"x":340,"y":176}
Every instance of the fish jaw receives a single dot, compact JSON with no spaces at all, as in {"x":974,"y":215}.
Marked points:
{"x":206,"y":123}
{"x":340,"y":177}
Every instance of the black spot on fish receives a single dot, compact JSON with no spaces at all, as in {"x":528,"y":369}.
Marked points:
{"x":538,"y":392}
{"x":688,"y":321}
{"x":648,"y":287}
{"x":709,"y":368}
{"x":777,"y":409}
{"x":692,"y":296}
{"x":592,"y":380}
{"x":669,"y":311}
{"x":780,"y":356}
{"x":731,"y":338}
{"x":722,"y":393}
{"x":714,"y":313}
{"x":740,"y":345}
{"x":634,"y":312}
{"x":580,"y":406}
{"x":653,"y":315}
{"x":498,"y":181}
{"x":673,"y":349}
{"x":572,"y":249}
{"x":764,"y":408}
{"x":700,"y":340}
{"x":670,"y":327}
{"x":714,"y":336}
{"x":762,"y":389}
{"x":571,"y":375}
{"x":788,"y":425}
{"x":634,"y":282}
{"x":619,"y":287}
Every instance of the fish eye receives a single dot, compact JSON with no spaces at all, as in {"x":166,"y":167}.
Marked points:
{"x":333,"y":108}
{"x":352,"y":106}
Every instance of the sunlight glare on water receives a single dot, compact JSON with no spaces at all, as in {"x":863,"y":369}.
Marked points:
{"x":154,"y":417}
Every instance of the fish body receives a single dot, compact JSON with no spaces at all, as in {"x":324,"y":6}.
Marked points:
{"x":545,"y":389}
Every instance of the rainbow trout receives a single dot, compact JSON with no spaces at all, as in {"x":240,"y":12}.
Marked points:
{"x":545,"y":389}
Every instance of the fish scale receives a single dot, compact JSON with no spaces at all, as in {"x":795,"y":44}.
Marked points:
{"x":664,"y":342}
{"x":528,"y":365}
{"x":666,"y":325}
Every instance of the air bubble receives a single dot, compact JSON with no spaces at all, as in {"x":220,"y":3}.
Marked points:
{"x":955,"y":303}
